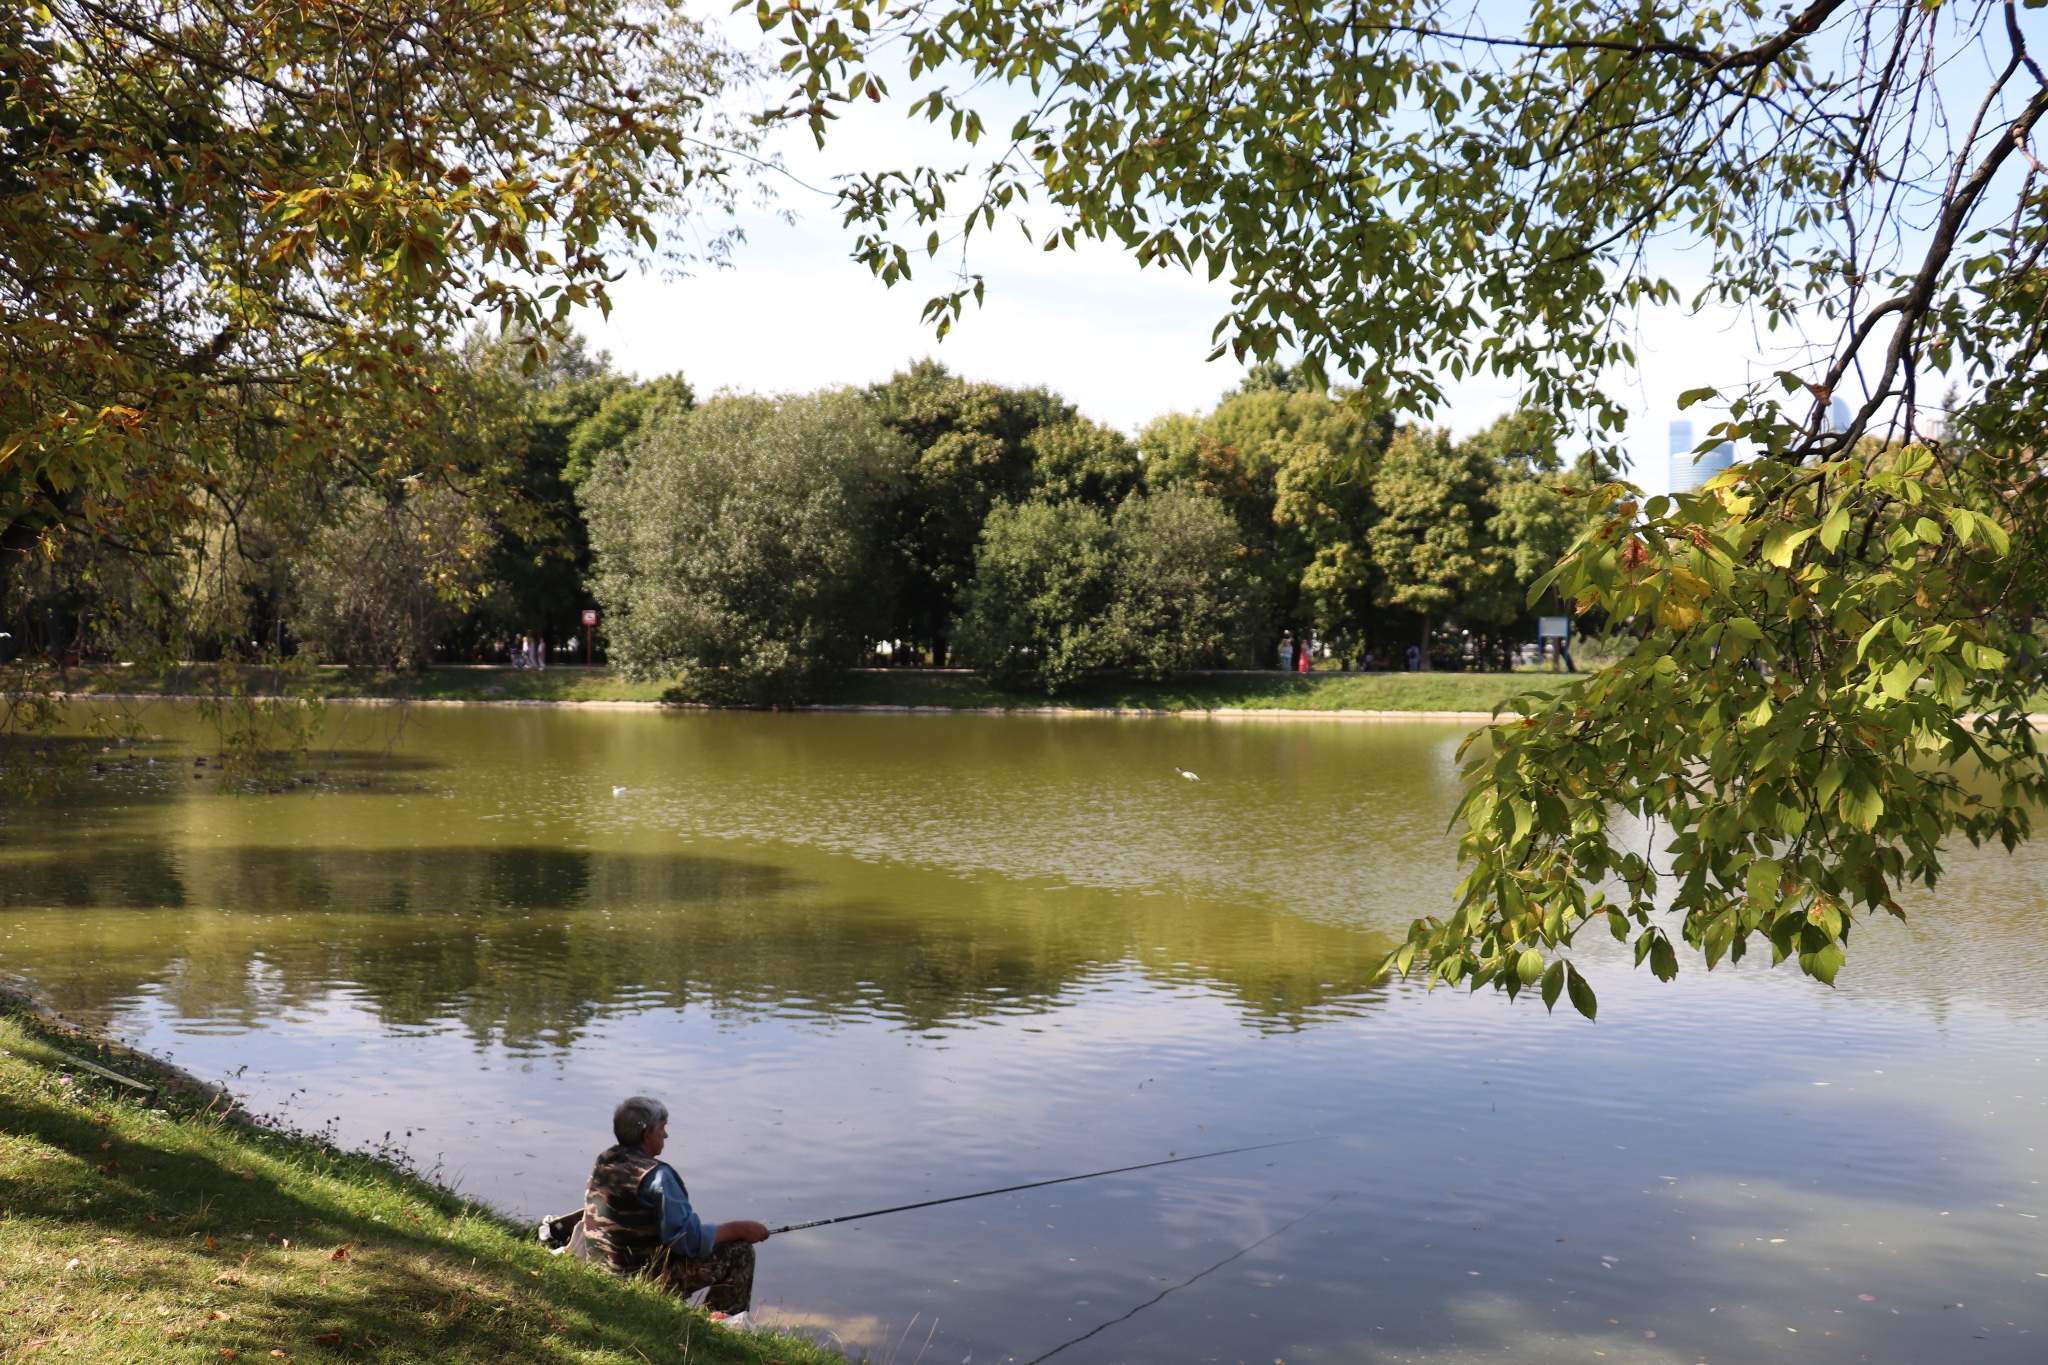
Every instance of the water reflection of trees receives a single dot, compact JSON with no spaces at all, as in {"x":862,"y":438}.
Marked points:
{"x":530,"y":945}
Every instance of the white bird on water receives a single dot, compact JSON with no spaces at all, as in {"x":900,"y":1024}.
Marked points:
{"x":618,"y":791}
{"x":1188,"y":775}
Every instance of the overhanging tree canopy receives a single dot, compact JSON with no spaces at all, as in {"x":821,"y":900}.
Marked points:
{"x":1837,"y":645}
{"x":233,"y":235}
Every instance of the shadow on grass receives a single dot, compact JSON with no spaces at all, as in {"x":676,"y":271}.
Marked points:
{"x":188,"y":1234}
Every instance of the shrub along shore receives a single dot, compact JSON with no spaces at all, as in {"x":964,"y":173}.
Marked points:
{"x":944,"y":689}
{"x":172,"y":1227}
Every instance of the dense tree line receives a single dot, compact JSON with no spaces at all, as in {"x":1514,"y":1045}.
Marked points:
{"x":757,"y":547}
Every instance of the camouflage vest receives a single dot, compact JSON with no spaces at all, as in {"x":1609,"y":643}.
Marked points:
{"x":618,"y":1224}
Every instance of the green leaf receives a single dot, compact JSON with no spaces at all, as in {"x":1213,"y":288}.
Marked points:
{"x":1553,"y":985}
{"x":1581,"y":993}
{"x":1686,"y":400}
{"x":1763,"y":882}
{"x":1823,"y":963}
{"x":1834,"y":528}
{"x":1863,"y":807}
{"x":1542,"y":585}
{"x":1529,"y":966}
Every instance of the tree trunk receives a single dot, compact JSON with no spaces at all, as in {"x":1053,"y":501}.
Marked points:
{"x":1422,"y":664}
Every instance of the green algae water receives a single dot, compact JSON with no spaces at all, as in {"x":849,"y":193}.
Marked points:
{"x":872,"y":959}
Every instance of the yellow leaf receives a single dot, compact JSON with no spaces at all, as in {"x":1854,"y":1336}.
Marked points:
{"x":1691,"y":582}
{"x":1783,"y":542}
{"x":1677,"y":611}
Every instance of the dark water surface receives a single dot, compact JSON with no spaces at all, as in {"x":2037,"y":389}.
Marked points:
{"x":870,"y":959}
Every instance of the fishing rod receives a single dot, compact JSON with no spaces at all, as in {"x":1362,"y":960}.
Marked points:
{"x":1176,"y":1288}
{"x":1039,"y":1184}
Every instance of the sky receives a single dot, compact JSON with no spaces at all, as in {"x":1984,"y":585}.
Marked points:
{"x":792,"y":311}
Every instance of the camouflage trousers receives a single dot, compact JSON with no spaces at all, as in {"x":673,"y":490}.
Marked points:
{"x":728,"y":1273}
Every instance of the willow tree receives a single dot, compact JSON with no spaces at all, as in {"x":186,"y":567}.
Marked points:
{"x":1837,"y":643}
{"x":236,"y":236}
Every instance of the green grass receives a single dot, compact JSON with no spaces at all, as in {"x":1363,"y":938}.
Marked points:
{"x":434,"y":684}
{"x":184,"y":1234}
{"x":1273,"y":691}
{"x":915,"y":687}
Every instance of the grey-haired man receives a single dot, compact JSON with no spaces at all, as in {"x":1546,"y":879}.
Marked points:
{"x":637,"y":1218}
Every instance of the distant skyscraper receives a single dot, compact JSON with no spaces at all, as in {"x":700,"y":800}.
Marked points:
{"x":1689,"y":472}
{"x":1838,"y":414}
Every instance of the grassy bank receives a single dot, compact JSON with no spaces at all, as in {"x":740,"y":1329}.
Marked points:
{"x":1209,"y":691}
{"x":179,"y":1233}
{"x":917,"y":687}
{"x":342,"y":684}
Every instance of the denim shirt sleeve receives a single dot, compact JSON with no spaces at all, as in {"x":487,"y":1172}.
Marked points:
{"x":678,"y":1223}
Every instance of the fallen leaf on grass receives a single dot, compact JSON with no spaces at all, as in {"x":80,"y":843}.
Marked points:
{"x":217,"y":1316}
{"x":108,"y":1167}
{"x":229,"y":1353}
{"x":340,"y":1253}
{"x":74,"y":1263}
{"x":212,"y":1245}
{"x":329,"y":1338}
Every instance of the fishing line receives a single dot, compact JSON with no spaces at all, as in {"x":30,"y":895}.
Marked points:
{"x":1040,"y":1184}
{"x":1242,"y":1251}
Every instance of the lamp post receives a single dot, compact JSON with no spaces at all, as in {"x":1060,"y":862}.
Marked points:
{"x":589,"y":620}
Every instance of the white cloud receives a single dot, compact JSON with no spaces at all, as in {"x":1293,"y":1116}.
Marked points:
{"x":794,"y":312}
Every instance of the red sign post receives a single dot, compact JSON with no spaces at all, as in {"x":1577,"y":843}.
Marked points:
{"x":589,"y":620}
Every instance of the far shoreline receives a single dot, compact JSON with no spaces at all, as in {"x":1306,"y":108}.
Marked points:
{"x":1468,"y":698}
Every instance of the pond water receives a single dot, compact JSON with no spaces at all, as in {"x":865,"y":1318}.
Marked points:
{"x":871,"y":959}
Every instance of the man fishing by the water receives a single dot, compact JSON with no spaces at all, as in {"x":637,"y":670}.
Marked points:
{"x":637,"y":1218}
